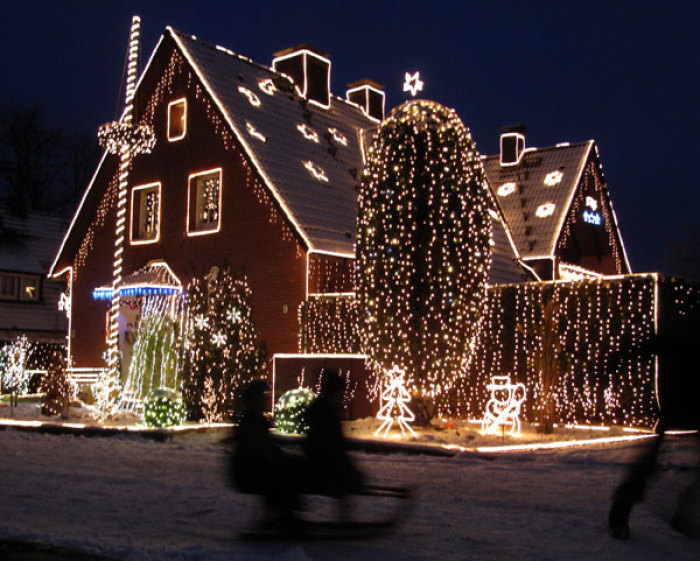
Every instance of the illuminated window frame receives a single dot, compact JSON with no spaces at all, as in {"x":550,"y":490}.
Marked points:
{"x":182,"y":101}
{"x":145,"y":187}
{"x":191,"y":232}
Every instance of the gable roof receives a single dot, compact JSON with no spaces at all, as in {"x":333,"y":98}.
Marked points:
{"x":535,"y":182}
{"x":257,"y":100}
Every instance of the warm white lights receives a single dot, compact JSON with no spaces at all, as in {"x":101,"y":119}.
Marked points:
{"x":412,"y":83}
{"x":338,"y":136}
{"x":252,"y":98}
{"x":255,"y":133}
{"x":393,"y":409}
{"x":506,"y":189}
{"x":503,"y":409}
{"x":308,"y":133}
{"x":591,"y":203}
{"x":544,"y":210}
{"x":316,"y":171}
{"x":267,"y":86}
{"x":553,"y":178}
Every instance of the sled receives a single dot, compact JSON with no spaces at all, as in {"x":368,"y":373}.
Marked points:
{"x":304,"y":529}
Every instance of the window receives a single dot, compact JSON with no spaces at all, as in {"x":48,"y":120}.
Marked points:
{"x":8,"y":287}
{"x":26,"y":288}
{"x":177,"y":119}
{"x":145,"y":214}
{"x":29,"y":289}
{"x":204,"y":203}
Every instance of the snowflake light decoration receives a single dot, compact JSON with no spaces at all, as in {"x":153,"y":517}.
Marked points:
{"x":201,"y":322}
{"x":544,"y":210}
{"x":553,"y":178}
{"x":506,"y":189}
{"x":394,"y":398}
{"x":316,"y":171}
{"x":219,"y":339}
{"x":252,"y":98}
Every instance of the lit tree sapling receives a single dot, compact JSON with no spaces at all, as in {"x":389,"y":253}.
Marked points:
{"x":423,"y":248}
{"x":221,"y":343}
{"x":13,"y":366}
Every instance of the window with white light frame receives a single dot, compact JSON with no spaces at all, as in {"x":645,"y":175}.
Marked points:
{"x":204,"y":202}
{"x":177,"y":119}
{"x":145,"y":214}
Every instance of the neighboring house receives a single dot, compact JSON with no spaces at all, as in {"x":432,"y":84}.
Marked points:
{"x":558,"y":208}
{"x":254,"y":167}
{"x":28,"y":299}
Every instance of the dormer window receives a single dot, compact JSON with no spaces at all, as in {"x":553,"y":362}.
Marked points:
{"x":204,"y":203}
{"x":145,"y":214}
{"x":177,"y":119}
{"x":308,"y":132}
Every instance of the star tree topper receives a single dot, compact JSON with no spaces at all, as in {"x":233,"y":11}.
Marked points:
{"x":413,"y":83}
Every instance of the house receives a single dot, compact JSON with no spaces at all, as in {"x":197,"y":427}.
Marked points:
{"x":29,"y":301}
{"x":254,"y":167}
{"x":558,"y":209}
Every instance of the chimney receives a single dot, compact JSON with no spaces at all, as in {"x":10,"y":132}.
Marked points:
{"x":369,"y":95}
{"x":512,"y":144}
{"x":310,"y":69}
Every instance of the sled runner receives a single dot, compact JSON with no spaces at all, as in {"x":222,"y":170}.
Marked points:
{"x":303,"y":529}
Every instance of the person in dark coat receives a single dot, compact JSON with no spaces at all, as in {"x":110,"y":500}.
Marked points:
{"x":678,"y":388}
{"x":258,"y":465}
{"x":330,"y":467}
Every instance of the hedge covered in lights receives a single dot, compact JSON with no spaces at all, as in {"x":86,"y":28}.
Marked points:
{"x":600,"y":325}
{"x":290,"y":410}
{"x":162,"y":408}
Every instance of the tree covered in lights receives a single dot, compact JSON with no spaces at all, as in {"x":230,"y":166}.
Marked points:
{"x":423,"y":247}
{"x":222,"y":348}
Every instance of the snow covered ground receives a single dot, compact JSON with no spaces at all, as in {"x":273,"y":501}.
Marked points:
{"x":136,"y":499}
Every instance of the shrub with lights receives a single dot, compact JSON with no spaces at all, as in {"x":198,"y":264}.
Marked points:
{"x":423,"y":247}
{"x":163,"y":408}
{"x":290,"y":409}
{"x":57,"y":389}
{"x":222,"y":348}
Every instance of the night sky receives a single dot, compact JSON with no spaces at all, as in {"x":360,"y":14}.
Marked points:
{"x":624,"y":73}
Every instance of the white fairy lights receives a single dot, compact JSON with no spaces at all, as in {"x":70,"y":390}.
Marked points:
{"x":553,"y":178}
{"x":412,"y":83}
{"x":503,"y":409}
{"x":506,"y":189}
{"x":423,"y":247}
{"x":316,"y":171}
{"x":252,"y":98}
{"x":308,"y":133}
{"x":545,"y":210}
{"x":393,"y":409}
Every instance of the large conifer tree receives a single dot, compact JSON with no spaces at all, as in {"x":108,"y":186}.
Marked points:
{"x":423,"y":246}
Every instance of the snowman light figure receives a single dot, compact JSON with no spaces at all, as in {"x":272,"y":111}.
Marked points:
{"x":503,"y":409}
{"x":394,"y":398}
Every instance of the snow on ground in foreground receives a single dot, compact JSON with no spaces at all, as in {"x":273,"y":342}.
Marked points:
{"x":136,"y":499}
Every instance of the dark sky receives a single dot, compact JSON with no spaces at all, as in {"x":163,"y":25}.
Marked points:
{"x":624,"y":73}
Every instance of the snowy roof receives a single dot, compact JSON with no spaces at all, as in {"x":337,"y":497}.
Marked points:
{"x":535,"y":195}
{"x":309,"y":157}
{"x":28,"y":245}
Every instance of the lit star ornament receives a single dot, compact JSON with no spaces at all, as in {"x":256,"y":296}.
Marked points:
{"x":413,"y":83}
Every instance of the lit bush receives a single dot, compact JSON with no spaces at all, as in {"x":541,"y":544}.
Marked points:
{"x":290,"y":409}
{"x":163,"y":408}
